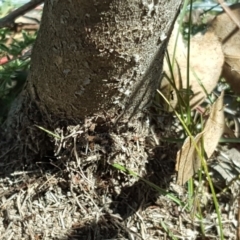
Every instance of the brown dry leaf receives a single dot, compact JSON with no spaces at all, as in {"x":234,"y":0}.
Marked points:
{"x":214,"y":127}
{"x":206,"y":61}
{"x":187,"y":162}
{"x":229,"y":35}
{"x":229,"y":132}
{"x":232,"y":77}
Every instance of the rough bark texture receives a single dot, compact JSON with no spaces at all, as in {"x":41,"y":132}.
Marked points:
{"x":94,"y":56}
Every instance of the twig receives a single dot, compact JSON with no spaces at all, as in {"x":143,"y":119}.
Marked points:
{"x":230,"y":13}
{"x":9,"y":19}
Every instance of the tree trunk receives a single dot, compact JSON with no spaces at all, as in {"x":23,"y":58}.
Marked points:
{"x":93,"y":57}
{"x":95,"y":68}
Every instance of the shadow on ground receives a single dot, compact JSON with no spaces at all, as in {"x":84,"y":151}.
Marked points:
{"x":114,"y":223}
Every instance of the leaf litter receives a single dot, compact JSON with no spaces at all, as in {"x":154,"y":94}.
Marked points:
{"x":222,"y":159}
{"x":205,"y":66}
{"x":188,"y":161}
{"x":229,"y":35}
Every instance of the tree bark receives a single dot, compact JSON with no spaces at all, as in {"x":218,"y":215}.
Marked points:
{"x":93,"y":57}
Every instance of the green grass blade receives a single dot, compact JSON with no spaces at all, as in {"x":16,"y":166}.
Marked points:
{"x":49,"y":132}
{"x":160,"y":190}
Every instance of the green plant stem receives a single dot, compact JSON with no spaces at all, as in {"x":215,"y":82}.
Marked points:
{"x":204,"y":165}
{"x":181,"y":140}
{"x":215,"y":201}
{"x":154,"y":186}
{"x":190,"y":193}
{"x":188,"y":52}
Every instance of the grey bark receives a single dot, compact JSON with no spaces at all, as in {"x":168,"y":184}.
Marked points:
{"x":100,"y":56}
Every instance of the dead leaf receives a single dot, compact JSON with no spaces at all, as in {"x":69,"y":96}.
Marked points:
{"x":228,"y":165}
{"x":187,"y":162}
{"x":206,"y":61}
{"x":229,"y":132}
{"x":229,"y":35}
{"x":232,"y":77}
{"x":234,"y":155}
{"x":214,"y":127}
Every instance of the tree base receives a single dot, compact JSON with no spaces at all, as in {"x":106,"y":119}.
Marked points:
{"x":73,"y":175}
